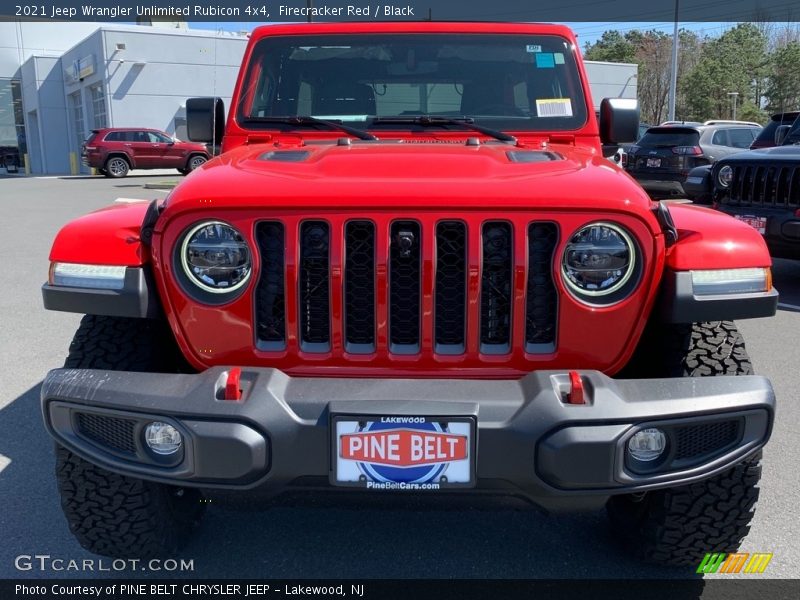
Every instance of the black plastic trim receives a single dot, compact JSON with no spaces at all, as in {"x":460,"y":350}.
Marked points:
{"x":137,"y":298}
{"x":679,"y":304}
{"x":529,"y":440}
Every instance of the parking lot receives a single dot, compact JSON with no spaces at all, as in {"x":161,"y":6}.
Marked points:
{"x":388,"y":539}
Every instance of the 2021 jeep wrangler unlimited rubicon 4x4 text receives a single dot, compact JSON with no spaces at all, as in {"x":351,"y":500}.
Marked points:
{"x":411,"y":270}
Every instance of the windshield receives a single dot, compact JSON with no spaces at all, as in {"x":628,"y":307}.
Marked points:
{"x":668,"y":137}
{"x":517,"y":82}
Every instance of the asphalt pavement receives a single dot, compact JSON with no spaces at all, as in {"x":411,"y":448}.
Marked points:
{"x":381,"y":539}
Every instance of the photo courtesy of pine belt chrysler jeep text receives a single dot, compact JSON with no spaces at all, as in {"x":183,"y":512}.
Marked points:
{"x":410,"y":271}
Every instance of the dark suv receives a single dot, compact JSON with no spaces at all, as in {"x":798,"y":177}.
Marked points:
{"x":662,"y":159}
{"x":762,"y":188}
{"x":114,"y":152}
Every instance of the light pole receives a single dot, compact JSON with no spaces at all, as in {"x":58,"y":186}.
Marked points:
{"x":734,"y":95}
{"x":673,"y":84}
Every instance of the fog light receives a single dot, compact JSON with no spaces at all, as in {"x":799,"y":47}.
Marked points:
{"x":162,"y":438}
{"x":647,"y":445}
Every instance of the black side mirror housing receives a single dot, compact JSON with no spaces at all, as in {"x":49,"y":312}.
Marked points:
{"x":205,"y":119}
{"x":619,"y":120}
{"x":780,"y":134}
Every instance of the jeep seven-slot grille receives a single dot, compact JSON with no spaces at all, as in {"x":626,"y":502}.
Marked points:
{"x":764,"y":185}
{"x":337,"y":269}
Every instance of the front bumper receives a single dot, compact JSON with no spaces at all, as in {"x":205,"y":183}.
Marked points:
{"x":530,"y":441}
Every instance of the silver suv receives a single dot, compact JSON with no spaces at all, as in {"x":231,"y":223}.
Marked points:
{"x":663,"y":157}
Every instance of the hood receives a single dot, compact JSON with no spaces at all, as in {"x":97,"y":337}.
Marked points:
{"x":788,"y":153}
{"x":406,"y":173}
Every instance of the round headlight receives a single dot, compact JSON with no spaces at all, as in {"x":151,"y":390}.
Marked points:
{"x":598,"y":260}
{"x":215,"y":257}
{"x":725,"y":176}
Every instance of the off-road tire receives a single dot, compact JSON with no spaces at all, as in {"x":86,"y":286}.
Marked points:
{"x":108,"y":513}
{"x":678,"y":526}
{"x":123,"y":517}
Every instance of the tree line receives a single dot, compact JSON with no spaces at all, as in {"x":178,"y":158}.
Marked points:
{"x":755,"y":65}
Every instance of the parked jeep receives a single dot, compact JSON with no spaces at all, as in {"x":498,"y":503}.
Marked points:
{"x":761,"y":188}
{"x":114,"y":152}
{"x":411,"y":271}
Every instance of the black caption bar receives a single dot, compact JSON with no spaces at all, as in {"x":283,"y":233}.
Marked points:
{"x":439,"y":589}
{"x":272,"y":11}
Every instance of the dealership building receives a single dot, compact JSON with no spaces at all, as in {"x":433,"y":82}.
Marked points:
{"x":58,"y":81}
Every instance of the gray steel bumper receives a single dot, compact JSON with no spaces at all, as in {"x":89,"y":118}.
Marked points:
{"x":530,"y":442}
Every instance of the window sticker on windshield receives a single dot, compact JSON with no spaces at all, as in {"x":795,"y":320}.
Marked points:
{"x":554,"y":107}
{"x":559,"y":58}
{"x":533,"y":48}
{"x":545,"y":60}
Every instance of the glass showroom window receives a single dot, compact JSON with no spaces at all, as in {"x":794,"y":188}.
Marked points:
{"x":12,"y":125}
{"x":99,"y":106}
{"x":77,"y":118}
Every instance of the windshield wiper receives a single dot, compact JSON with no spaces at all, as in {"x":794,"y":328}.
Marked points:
{"x":426,"y":121}
{"x":313,"y":121}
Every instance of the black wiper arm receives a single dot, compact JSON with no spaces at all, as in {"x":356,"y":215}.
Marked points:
{"x":313,"y":121}
{"x":426,"y":120}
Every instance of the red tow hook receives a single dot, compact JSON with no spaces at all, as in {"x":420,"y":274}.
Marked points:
{"x":575,"y":395}
{"x":232,"y":389}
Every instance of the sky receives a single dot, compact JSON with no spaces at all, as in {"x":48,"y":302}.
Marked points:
{"x":587,"y":32}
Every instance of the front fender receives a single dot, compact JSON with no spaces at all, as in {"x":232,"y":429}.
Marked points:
{"x":708,"y":239}
{"x":109,"y":236}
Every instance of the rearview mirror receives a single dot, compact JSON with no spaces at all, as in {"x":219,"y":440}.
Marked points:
{"x":205,"y":119}
{"x":619,"y":120}
{"x":780,"y":133}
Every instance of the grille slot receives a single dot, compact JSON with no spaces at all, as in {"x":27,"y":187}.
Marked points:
{"x":451,"y":287}
{"x":405,"y":287}
{"x":541,"y":300}
{"x":764,"y":186}
{"x":314,"y":286}
{"x":111,"y":432}
{"x":496,"y":286}
{"x":695,"y":441}
{"x":271,"y":294}
{"x":359,"y":286}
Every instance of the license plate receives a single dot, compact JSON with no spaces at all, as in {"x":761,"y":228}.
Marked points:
{"x":403,"y":453}
{"x":654,"y":163}
{"x":757,"y":223}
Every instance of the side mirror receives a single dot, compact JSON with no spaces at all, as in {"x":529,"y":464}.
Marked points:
{"x":619,"y":120}
{"x":780,"y":134}
{"x":205,"y":119}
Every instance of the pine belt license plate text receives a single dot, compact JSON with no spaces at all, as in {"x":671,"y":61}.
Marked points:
{"x":403,"y":453}
{"x":653,"y":163}
{"x":757,"y":223}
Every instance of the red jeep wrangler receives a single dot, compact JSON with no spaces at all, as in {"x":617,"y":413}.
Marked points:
{"x":410,"y":271}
